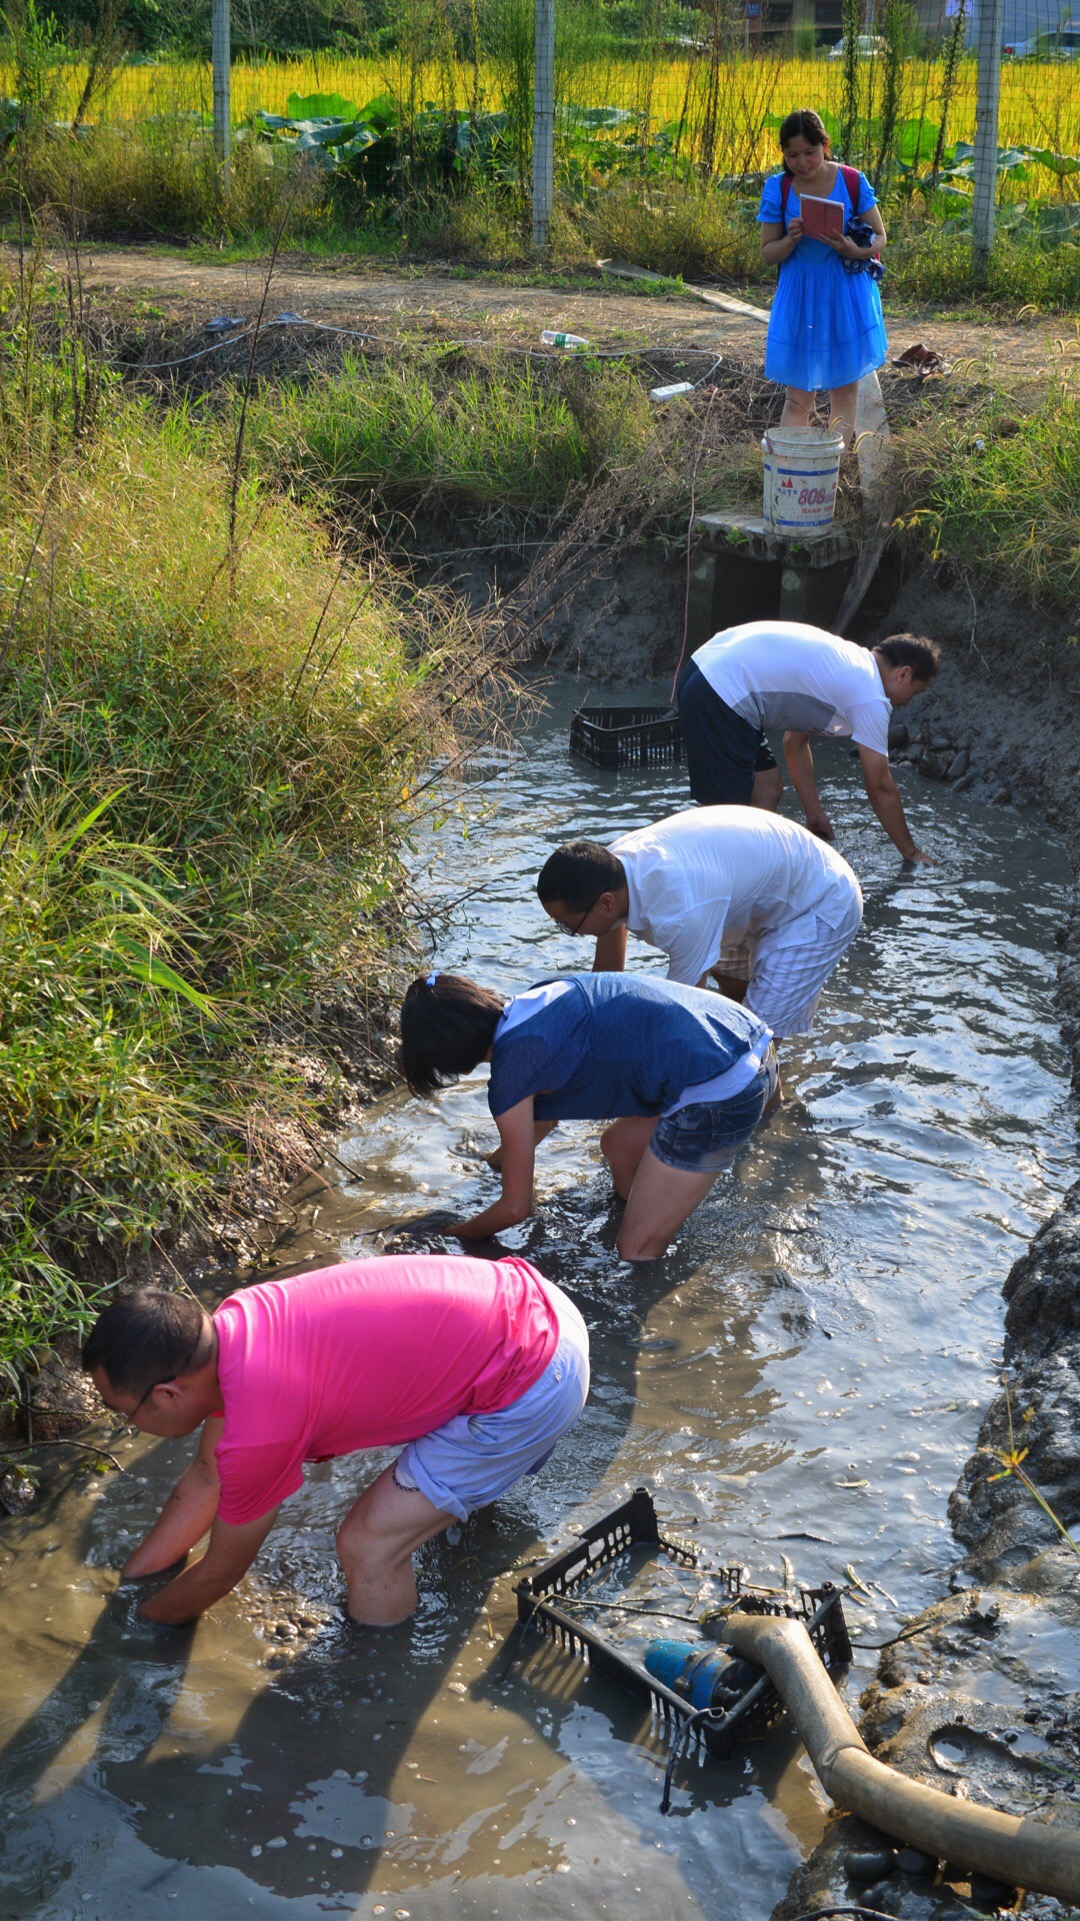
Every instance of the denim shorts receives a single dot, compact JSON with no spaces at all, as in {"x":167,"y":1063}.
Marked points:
{"x":723,"y":751}
{"x":703,"y":1138}
{"x":473,"y":1458}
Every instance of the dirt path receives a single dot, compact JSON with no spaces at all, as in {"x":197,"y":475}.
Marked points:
{"x":440,"y":301}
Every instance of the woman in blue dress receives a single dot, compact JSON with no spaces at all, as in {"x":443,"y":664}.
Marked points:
{"x":826,"y":328}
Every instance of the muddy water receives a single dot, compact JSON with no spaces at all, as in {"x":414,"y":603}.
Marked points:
{"x":802,"y":1380}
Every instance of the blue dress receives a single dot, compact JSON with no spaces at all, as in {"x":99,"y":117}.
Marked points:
{"x":826,"y":327}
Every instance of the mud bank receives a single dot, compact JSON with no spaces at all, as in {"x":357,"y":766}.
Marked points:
{"x":983,"y":1699}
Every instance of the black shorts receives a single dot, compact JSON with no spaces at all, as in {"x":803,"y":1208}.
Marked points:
{"x":723,"y":751}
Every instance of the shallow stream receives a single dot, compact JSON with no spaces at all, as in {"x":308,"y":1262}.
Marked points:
{"x":801,"y":1379}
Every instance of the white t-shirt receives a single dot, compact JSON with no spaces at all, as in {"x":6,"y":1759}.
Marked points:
{"x":782,"y":673}
{"x":716,"y":875}
{"x":522,"y":1006}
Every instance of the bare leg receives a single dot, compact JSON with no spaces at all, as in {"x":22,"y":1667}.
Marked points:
{"x":731,"y":985}
{"x":842,"y":404}
{"x":660,"y":1201}
{"x":623,"y":1144}
{"x":767,"y":789}
{"x":798,"y":408}
{"x":375,"y":1544}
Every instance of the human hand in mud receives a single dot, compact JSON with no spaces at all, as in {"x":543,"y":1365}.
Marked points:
{"x":487,"y":1157}
{"x":420,"y":1230}
{"x":819,"y":823}
{"x":130,"y":1597}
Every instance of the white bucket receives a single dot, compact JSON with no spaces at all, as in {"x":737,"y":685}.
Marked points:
{"x":802,"y":465}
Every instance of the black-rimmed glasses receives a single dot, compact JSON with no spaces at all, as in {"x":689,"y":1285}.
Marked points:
{"x":580,"y":922}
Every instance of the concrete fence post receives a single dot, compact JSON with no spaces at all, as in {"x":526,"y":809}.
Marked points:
{"x":543,"y":122}
{"x":221,"y":54}
{"x":989,"y":29}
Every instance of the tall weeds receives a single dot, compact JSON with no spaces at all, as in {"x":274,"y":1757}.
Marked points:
{"x":203,"y":784}
{"x":992,"y":486}
{"x":524,"y":434}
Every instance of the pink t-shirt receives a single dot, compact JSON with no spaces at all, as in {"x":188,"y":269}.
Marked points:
{"x":368,"y":1354}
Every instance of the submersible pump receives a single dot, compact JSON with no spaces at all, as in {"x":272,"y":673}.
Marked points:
{"x":707,"y":1678}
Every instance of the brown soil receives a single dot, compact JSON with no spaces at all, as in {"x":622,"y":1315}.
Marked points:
{"x":394,"y":301}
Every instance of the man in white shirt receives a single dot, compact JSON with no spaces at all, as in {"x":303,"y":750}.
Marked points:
{"x":782,"y":673}
{"x":742,"y":894}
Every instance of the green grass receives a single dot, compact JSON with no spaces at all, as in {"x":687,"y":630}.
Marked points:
{"x":928,"y":267}
{"x":991,"y":484}
{"x":513,"y":432}
{"x":249,"y":735}
{"x":156,"y":182}
{"x":159,"y":184}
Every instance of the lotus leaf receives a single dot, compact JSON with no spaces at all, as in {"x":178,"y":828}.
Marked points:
{"x":321,"y":106}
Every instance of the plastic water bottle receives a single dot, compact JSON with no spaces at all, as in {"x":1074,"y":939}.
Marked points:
{"x":706,"y":1679}
{"x":551,"y":339}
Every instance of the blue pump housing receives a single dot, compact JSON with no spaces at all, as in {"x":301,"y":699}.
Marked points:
{"x":705,"y":1678}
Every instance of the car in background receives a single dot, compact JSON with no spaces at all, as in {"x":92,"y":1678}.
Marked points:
{"x":870,"y":46}
{"x":1063,"y":43}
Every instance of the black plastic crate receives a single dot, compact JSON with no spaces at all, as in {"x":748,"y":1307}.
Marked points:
{"x":626,"y":736}
{"x":635,"y":1525}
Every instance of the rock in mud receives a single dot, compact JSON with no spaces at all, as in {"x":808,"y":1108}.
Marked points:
{"x":62,"y":1398}
{"x":959,"y":765}
{"x":18,"y":1491}
{"x":996,"y":1519}
{"x":914,"y":1861}
{"x":870,"y":1864}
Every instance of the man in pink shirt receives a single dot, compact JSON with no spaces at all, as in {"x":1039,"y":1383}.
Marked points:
{"x":478,"y":1366}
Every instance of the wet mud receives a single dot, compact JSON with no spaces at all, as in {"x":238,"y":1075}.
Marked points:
{"x":1009,"y":693}
{"x":799,"y":1383}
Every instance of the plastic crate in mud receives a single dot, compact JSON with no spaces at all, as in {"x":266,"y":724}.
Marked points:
{"x":626,"y":736}
{"x":569,"y":1574}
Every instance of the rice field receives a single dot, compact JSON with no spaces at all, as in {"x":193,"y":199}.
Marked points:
{"x":1040,"y":103}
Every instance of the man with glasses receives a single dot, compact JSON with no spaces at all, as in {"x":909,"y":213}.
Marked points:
{"x":477,"y":1367}
{"x":755,"y":900}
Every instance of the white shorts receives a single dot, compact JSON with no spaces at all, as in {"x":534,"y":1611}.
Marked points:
{"x":473,"y":1458}
{"x":786,"y":979}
